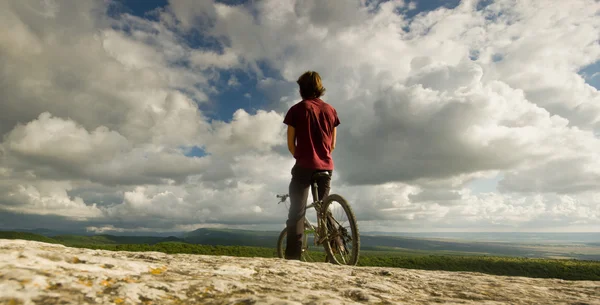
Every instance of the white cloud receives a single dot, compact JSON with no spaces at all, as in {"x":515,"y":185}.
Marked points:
{"x":233,"y":82}
{"x":130,"y":53}
{"x":208,"y":59}
{"x":46,"y":198}
{"x":260,"y":132}
{"x":190,"y":13}
{"x":56,"y":148}
{"x":96,"y":113}
{"x":63,"y":140}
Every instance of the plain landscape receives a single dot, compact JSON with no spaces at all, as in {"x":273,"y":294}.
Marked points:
{"x":573,"y":256}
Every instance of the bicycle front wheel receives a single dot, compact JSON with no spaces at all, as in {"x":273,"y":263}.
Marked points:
{"x":343,"y":239}
{"x":309,"y":251}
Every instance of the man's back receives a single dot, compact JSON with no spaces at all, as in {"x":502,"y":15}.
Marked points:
{"x":314,"y":122}
{"x":311,"y":137}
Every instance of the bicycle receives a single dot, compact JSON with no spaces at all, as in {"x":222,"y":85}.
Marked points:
{"x":340,"y":246}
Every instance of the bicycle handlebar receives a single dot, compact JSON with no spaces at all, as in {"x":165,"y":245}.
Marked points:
{"x":283,"y":198}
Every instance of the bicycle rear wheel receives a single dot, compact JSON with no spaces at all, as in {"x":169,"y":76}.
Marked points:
{"x":309,"y":252}
{"x":343,"y":239}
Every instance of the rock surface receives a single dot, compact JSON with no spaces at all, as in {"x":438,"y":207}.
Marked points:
{"x":39,"y":273}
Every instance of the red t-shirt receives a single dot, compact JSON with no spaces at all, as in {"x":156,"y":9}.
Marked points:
{"x":313,"y":121}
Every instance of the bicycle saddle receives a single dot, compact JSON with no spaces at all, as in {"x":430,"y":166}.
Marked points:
{"x":320,"y":175}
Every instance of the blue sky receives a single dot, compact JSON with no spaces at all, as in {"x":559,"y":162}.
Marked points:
{"x":246,"y":96}
{"x":591,"y":74}
{"x":229,"y":98}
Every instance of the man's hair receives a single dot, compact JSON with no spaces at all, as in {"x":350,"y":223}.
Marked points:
{"x":310,"y":85}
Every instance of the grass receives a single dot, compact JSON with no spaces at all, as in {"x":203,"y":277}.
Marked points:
{"x":507,"y":266}
{"x":178,"y":247}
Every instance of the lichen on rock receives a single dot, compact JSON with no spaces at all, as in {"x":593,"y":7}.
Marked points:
{"x":39,"y":273}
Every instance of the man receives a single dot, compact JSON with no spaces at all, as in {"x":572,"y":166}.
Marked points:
{"x":311,"y":137}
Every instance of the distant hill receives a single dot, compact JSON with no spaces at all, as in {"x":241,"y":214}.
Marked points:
{"x":232,"y":237}
{"x":495,"y":248}
{"x":369,"y":242}
{"x":102,"y":239}
{"x":79,"y":232}
{"x":26,"y":236}
{"x":378,"y":243}
{"x":105,"y":239}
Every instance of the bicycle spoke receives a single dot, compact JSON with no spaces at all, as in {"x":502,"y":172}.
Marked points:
{"x":341,"y":224}
{"x":341,"y":231}
{"x":338,"y":235}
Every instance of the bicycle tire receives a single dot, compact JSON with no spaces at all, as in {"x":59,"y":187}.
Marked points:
{"x":355,"y":236}
{"x":307,"y":256}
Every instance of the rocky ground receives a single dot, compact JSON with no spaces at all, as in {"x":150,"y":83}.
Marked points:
{"x":40,"y":273}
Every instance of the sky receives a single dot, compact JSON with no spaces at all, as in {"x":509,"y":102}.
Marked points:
{"x":160,"y":116}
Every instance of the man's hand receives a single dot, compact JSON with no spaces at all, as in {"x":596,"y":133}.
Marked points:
{"x":291,"y":139}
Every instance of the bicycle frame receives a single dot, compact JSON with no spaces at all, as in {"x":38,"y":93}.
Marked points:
{"x":316,"y":204}
{"x":327,"y":232}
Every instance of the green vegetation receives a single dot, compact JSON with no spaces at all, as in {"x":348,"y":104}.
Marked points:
{"x":105,"y":239}
{"x":27,"y":236}
{"x":393,"y":257}
{"x":178,"y":247}
{"x":232,"y":237}
{"x":508,"y":266}
{"x":89,"y":240}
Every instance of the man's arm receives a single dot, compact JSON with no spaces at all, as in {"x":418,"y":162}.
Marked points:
{"x":291,"y":139}
{"x":333,"y":138}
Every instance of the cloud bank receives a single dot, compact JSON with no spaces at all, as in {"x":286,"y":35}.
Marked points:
{"x":475,"y":117}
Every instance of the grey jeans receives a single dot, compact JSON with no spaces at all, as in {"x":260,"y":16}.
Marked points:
{"x":299,"y":187}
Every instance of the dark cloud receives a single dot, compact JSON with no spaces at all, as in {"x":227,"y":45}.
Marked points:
{"x":415,"y":134}
{"x":562,"y":176}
